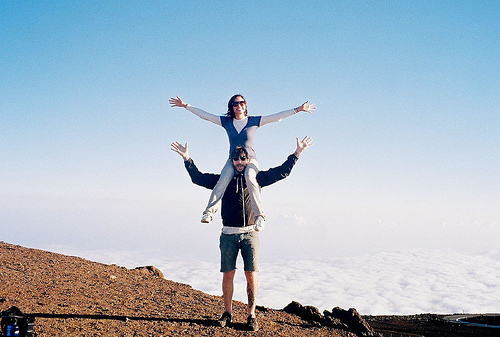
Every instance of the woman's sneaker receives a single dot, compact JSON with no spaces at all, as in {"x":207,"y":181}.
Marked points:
{"x":206,"y":218}
{"x":260,"y":222}
{"x":225,"y":319}
{"x":252,"y":323}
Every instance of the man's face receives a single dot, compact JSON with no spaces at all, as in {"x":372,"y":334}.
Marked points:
{"x":240,"y":162}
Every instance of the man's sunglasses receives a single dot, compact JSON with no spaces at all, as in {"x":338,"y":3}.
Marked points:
{"x":236,"y":103}
{"x":242,"y":158}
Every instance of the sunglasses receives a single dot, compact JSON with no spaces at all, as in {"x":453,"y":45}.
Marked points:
{"x":242,"y":158}
{"x":236,"y":103}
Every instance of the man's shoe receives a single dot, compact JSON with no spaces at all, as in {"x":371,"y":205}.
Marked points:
{"x":252,"y":323}
{"x":206,"y":218}
{"x":225,"y":319}
{"x":260,"y":222}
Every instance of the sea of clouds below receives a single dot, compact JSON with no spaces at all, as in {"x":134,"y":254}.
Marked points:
{"x":398,"y":282}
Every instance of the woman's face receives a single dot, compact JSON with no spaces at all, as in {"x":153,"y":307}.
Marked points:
{"x":239,"y":107}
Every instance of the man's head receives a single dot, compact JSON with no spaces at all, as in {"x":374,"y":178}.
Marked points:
{"x":240,"y":159}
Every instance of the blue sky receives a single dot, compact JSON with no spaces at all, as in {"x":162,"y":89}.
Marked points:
{"x":406,"y":132}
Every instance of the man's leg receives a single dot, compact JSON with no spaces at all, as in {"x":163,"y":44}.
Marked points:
{"x":229,"y":247}
{"x":250,"y":254}
{"x":251,"y":291}
{"x":227,"y":290}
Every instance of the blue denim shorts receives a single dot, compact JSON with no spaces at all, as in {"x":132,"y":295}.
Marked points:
{"x":230,"y":244}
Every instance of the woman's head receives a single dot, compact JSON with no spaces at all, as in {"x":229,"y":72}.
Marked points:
{"x":238,"y":103}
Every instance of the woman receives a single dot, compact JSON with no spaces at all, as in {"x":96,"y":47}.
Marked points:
{"x":241,"y":130}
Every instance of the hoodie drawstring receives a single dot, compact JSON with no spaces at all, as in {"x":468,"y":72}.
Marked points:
{"x":239,"y":180}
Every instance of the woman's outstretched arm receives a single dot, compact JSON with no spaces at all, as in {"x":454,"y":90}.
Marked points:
{"x":277,"y":117}
{"x":178,"y":102}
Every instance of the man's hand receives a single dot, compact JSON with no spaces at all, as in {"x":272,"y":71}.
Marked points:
{"x":180,"y":149}
{"x":302,"y":145}
{"x":177,"y":102}
{"x":307,"y":107}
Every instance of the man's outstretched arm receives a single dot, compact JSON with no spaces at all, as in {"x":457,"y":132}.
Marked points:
{"x":301,"y":145}
{"x":207,"y":180}
{"x":182,"y":150}
{"x":275,"y":174}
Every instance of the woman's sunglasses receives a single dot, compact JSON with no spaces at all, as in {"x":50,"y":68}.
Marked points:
{"x":236,"y":103}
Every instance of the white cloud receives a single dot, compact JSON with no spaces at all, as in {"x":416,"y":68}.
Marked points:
{"x":409,"y":282}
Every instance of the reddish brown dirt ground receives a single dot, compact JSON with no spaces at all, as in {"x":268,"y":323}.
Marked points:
{"x":71,"y":296}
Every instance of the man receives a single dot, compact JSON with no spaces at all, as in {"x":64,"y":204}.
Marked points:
{"x":239,"y":232}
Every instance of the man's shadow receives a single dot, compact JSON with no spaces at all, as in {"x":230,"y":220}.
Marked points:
{"x":204,"y":322}
{"x":238,"y":326}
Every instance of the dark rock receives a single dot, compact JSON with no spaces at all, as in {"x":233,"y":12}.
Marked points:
{"x":262,"y":308}
{"x":348,"y":320}
{"x":354,"y":321}
{"x":334,"y":322}
{"x":150,"y":270}
{"x":308,"y":313}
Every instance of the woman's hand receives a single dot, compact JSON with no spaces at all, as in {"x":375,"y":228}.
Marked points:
{"x":177,"y":102}
{"x":307,"y":107}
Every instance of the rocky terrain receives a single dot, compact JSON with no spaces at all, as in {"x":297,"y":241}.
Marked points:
{"x":71,"y":296}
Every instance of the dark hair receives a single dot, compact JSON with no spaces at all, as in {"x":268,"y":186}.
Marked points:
{"x":230,"y":111}
{"x":238,"y":150}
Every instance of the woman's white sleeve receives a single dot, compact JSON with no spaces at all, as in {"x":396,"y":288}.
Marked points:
{"x":276,"y":117}
{"x":204,"y":115}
